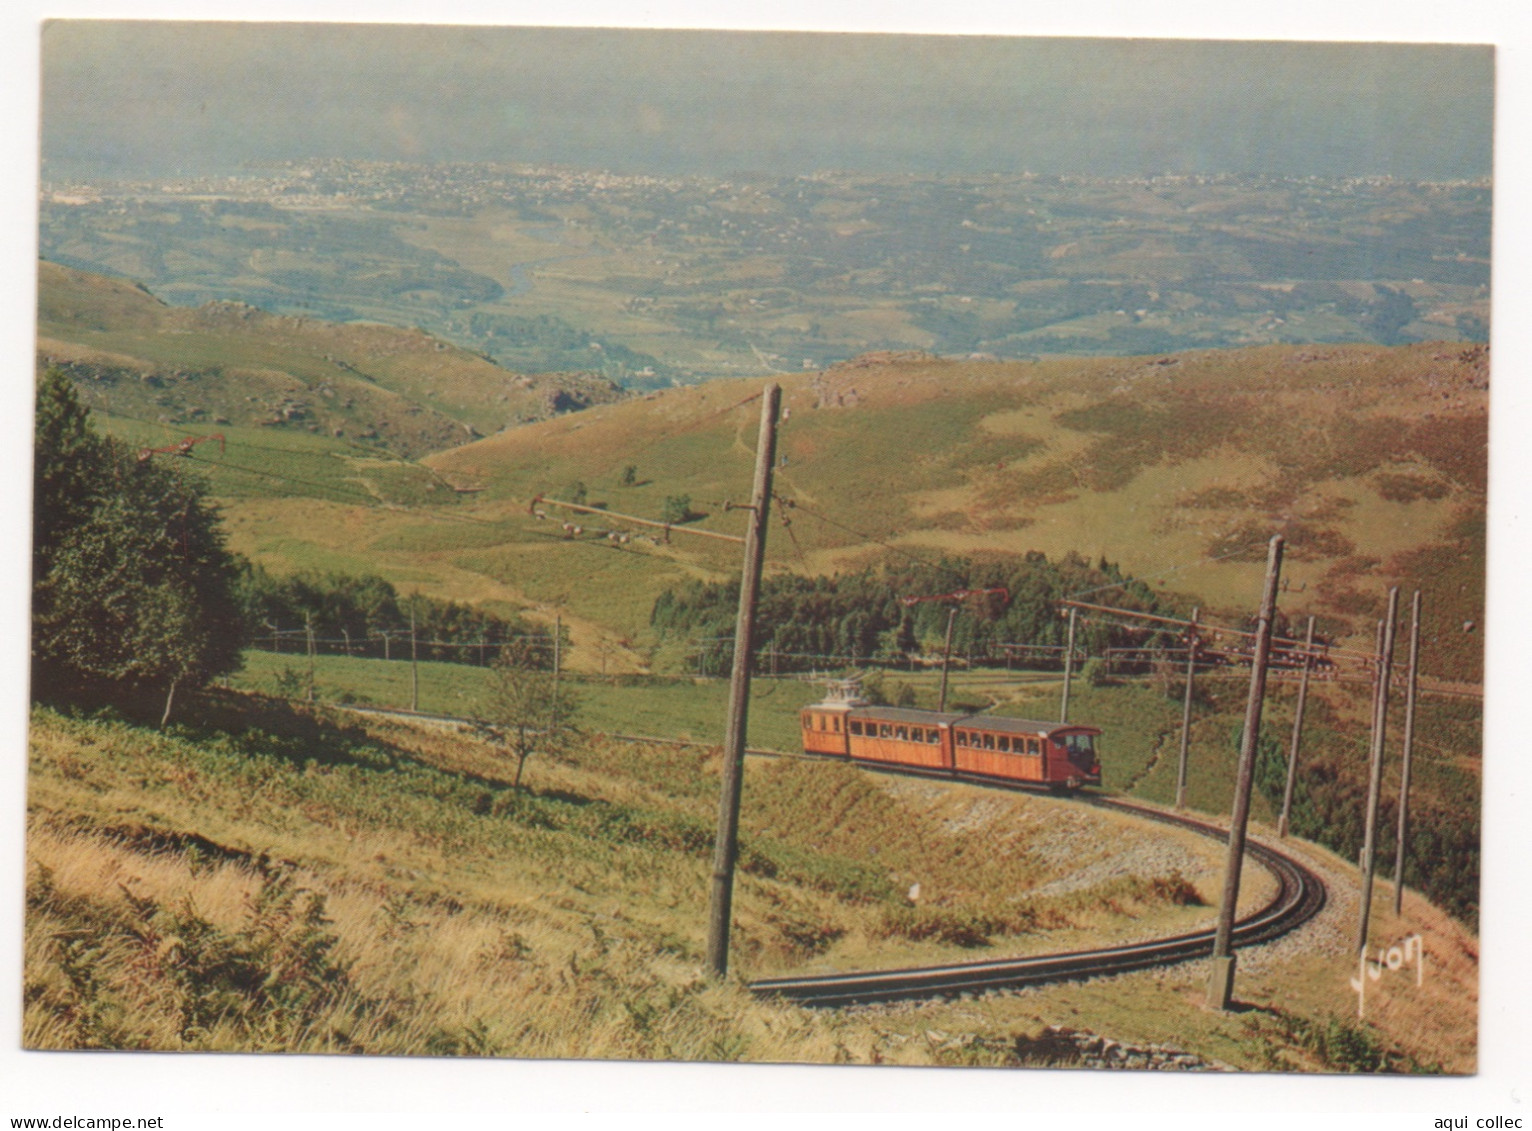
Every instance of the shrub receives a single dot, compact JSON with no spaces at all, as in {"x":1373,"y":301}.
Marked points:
{"x":677,"y":509}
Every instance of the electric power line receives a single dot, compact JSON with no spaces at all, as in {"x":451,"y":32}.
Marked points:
{"x":793,"y":504}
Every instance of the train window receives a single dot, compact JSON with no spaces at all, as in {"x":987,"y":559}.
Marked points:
{"x":884,"y":730}
{"x":856,"y":727}
{"x":989,"y":742}
{"x":835,"y":724}
{"x":917,"y":734}
{"x":960,"y":737}
{"x":1003,"y":744}
{"x":1035,"y":747}
{"x":934,"y":737}
{"x":902,"y":734}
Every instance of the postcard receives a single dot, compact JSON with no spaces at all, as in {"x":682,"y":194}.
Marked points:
{"x":818,"y":548}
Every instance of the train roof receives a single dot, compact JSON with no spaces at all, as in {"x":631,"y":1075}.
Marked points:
{"x":1002,"y":723}
{"x":906,"y":715}
{"x":1020,"y":726}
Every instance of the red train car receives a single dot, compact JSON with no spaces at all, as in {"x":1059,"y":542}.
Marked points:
{"x":990,"y":747}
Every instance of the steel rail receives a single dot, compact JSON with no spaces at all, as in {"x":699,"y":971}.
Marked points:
{"x":1300,"y":896}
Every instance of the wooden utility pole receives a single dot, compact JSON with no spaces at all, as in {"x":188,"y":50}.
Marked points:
{"x":1409,"y":742}
{"x":1186,"y":711}
{"x":1292,"y":747}
{"x":308,"y":634}
{"x":941,"y":701}
{"x":1069,"y":660}
{"x":1375,"y":777}
{"x":726,"y":847}
{"x":414,"y":662}
{"x":1221,"y":976}
{"x":558,"y":634}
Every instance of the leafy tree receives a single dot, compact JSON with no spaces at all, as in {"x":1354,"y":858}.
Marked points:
{"x":132,"y":587}
{"x":359,"y":611}
{"x":67,"y":458}
{"x":529,"y":712}
{"x":805,"y":619}
{"x":630,"y":475}
{"x":678,"y":508}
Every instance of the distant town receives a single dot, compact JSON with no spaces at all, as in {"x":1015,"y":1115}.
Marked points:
{"x":653,"y":281}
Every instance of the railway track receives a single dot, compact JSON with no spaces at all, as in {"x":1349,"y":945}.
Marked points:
{"x":1300,"y":896}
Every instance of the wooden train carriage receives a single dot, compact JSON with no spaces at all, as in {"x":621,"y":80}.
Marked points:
{"x":901,"y":737}
{"x":989,"y":746}
{"x":994,"y":746}
{"x":824,"y":728}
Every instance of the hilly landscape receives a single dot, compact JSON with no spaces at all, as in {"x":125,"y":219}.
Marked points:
{"x":398,"y":408}
{"x":272,"y":827}
{"x":398,"y":392}
{"x":653,"y":280}
{"x":1370,"y":460}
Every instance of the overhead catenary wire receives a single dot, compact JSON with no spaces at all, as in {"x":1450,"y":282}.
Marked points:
{"x":692,"y":422}
{"x":667,"y":527}
{"x":1124,"y":618}
{"x":794,"y":504}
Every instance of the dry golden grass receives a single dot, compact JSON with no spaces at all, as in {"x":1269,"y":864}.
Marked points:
{"x":403,"y":901}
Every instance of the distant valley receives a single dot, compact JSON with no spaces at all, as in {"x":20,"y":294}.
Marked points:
{"x":653,"y":281}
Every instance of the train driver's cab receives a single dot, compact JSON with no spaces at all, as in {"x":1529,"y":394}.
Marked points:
{"x":1081,"y":749}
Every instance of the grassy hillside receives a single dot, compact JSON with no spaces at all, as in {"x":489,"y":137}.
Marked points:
{"x":1140,"y":718}
{"x":266,"y":878}
{"x":222,"y":364}
{"x":1371,"y":461}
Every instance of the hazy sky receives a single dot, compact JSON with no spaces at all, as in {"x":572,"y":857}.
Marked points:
{"x":130,"y":98}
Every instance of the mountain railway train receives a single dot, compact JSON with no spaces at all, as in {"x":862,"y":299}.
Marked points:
{"x":950,"y":744}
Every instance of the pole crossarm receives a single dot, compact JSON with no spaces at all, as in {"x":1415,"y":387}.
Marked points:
{"x":1286,"y":643}
{"x":667,"y":527}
